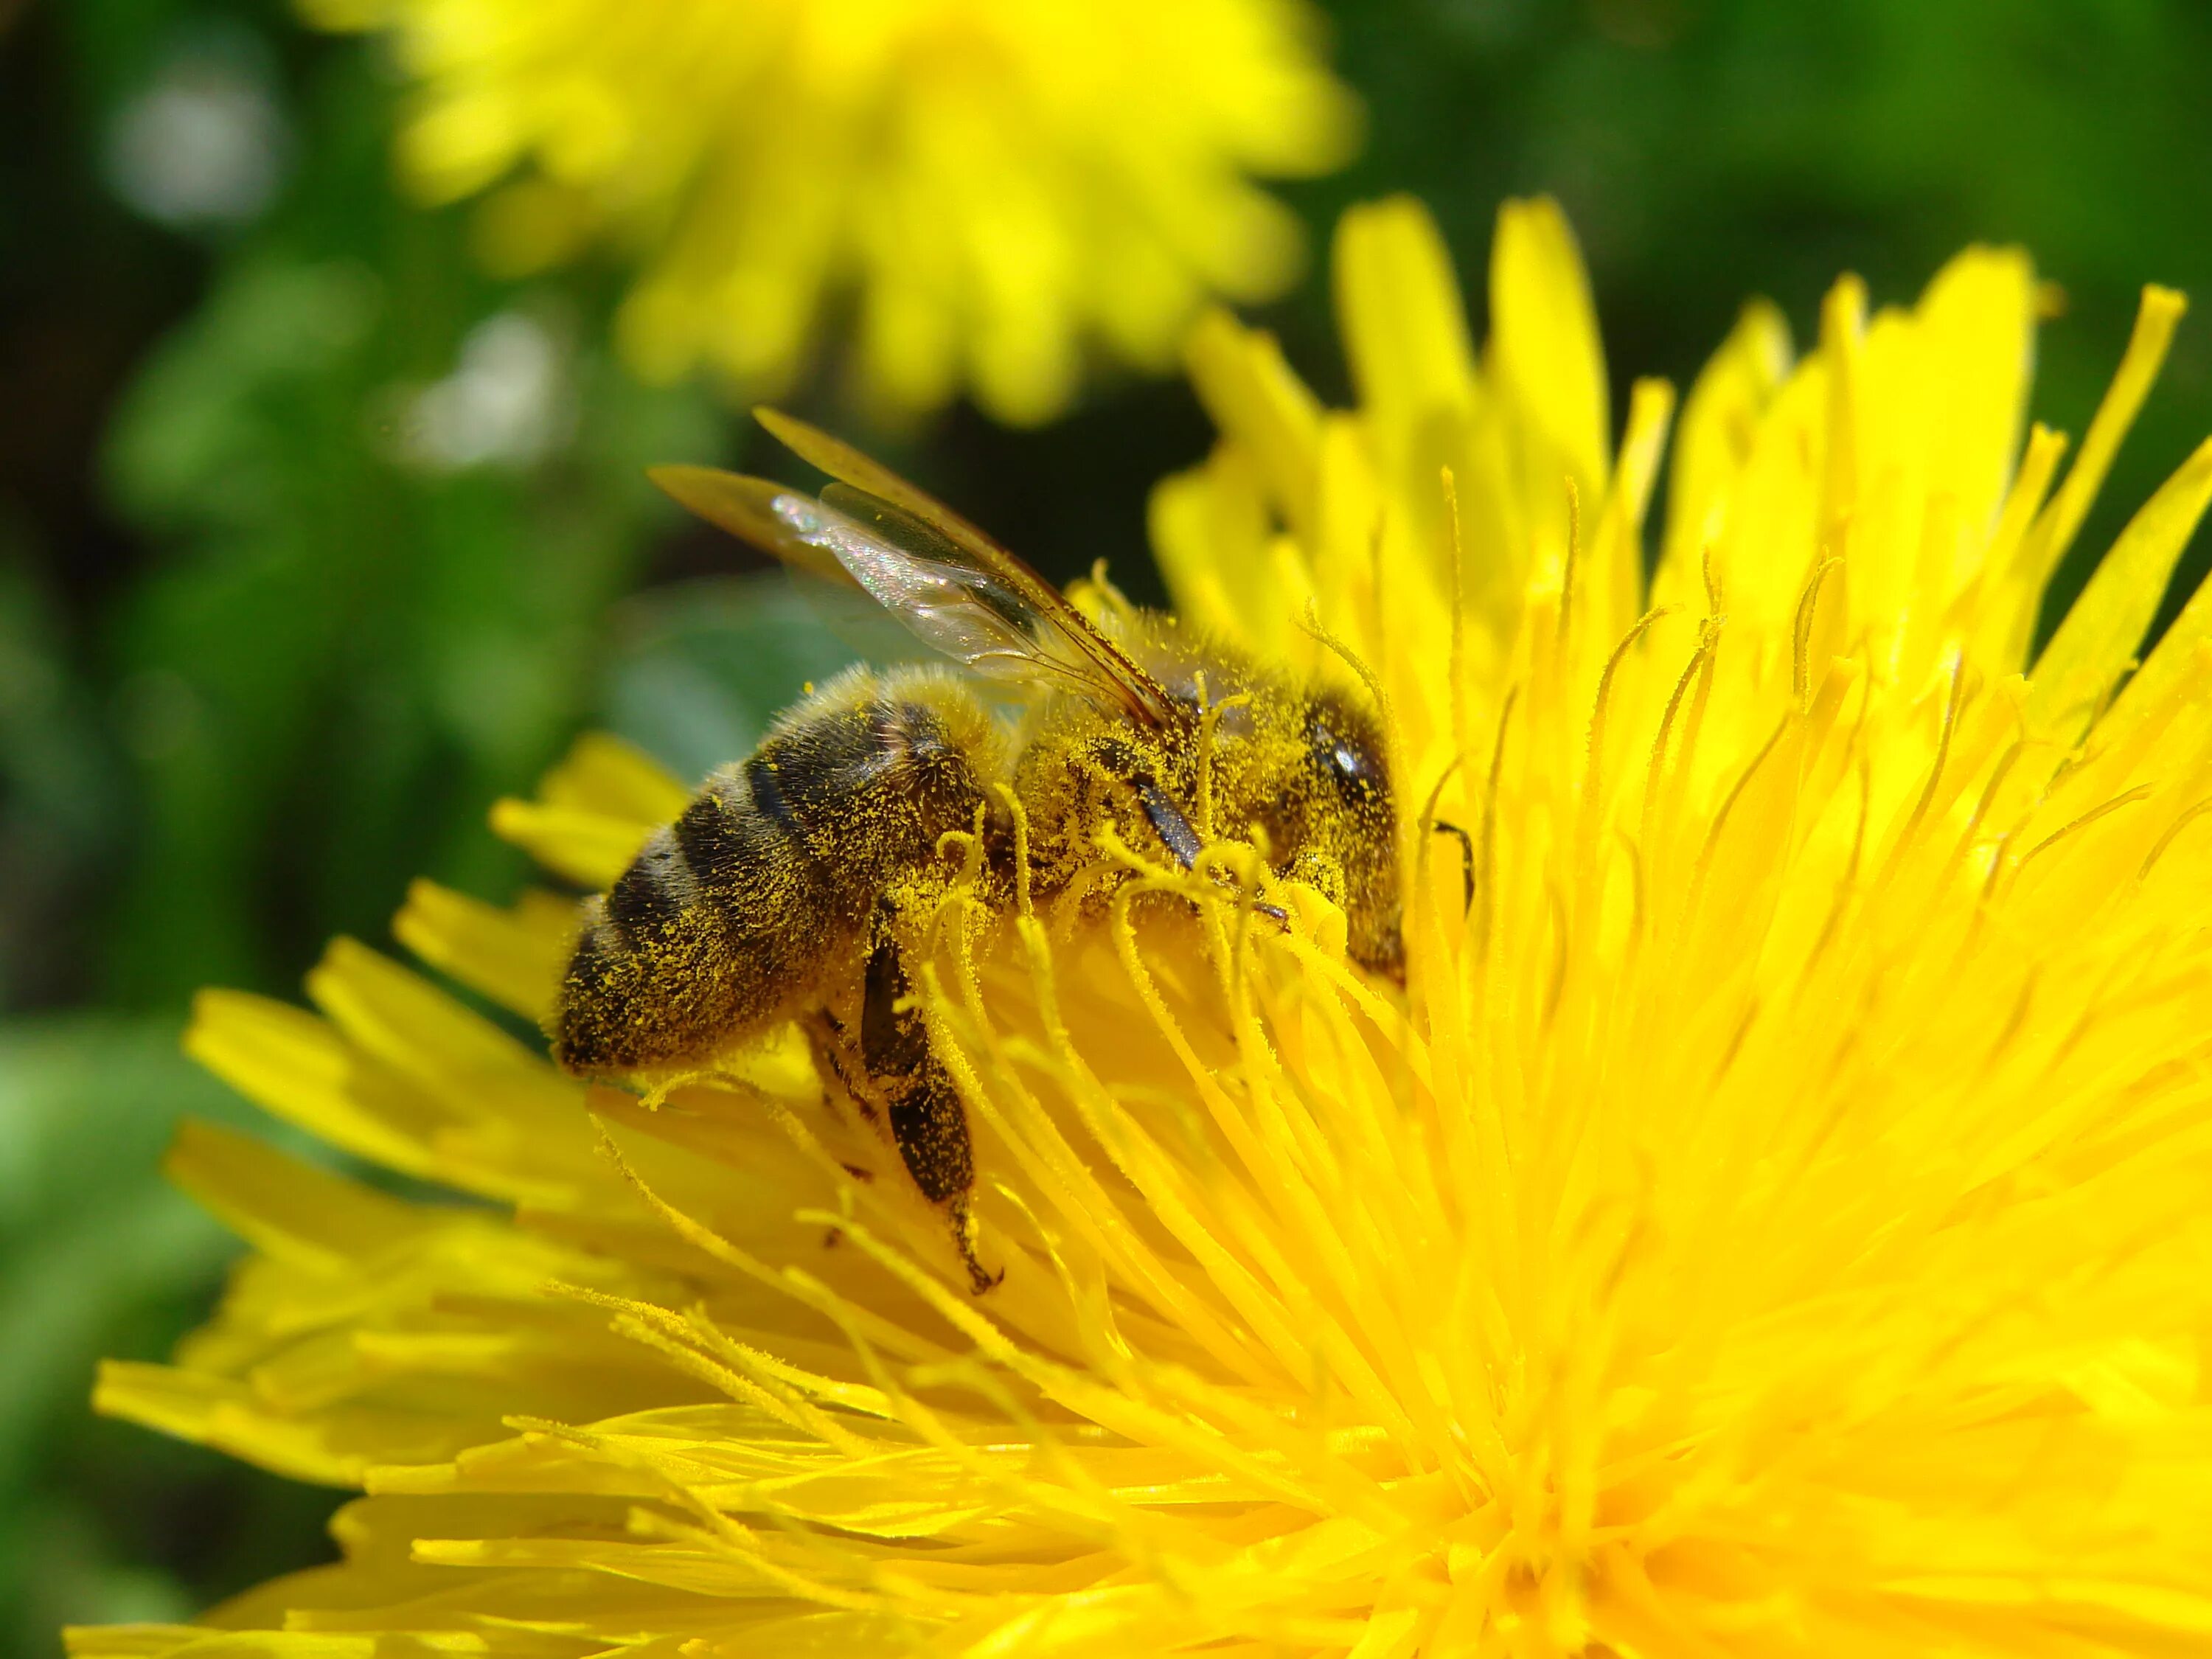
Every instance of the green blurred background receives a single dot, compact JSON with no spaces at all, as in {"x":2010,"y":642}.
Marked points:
{"x":314,"y":540}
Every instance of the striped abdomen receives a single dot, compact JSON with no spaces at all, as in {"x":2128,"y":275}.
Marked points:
{"x":728,"y":917}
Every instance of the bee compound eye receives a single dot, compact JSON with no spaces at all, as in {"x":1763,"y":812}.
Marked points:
{"x":1348,"y":761}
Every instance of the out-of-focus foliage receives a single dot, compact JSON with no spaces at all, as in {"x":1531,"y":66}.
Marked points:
{"x":313,"y":538}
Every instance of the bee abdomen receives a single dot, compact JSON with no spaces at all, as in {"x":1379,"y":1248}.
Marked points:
{"x":728,"y":914}
{"x":886,"y":766}
{"x":766,"y":793}
{"x":717,"y":844}
{"x":658,"y":887}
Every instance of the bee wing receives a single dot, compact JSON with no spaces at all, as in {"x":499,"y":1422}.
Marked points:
{"x":911,"y":549}
{"x":746,"y":509}
{"x":866,"y":546}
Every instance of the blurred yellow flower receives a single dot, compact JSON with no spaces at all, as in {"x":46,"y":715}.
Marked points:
{"x":1001,"y":184}
{"x":1772,"y":1220}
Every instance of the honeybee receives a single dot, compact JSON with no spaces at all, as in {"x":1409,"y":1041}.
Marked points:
{"x":794,"y":884}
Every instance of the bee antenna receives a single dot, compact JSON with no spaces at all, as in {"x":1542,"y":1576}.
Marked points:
{"x":1436,"y":825}
{"x":1445,"y":826}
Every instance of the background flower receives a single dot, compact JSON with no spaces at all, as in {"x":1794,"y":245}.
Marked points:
{"x":1773,"y":1221}
{"x":1001,"y":185}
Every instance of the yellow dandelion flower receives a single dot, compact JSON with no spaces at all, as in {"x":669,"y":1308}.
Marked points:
{"x":1772,"y":1219}
{"x":1000,"y":185}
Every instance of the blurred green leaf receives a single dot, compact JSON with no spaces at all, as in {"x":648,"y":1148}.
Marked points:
{"x":207,"y":438}
{"x":698,"y":669}
{"x":59,"y":788}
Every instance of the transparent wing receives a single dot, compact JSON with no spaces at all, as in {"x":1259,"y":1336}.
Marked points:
{"x":1063,"y":642}
{"x":952,"y":607}
{"x":746,"y":509}
{"x":948,"y":584}
{"x":743,"y":507}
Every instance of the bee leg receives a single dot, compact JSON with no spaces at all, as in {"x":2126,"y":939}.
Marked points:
{"x":1169,"y":822}
{"x":1116,"y":760}
{"x":833,"y":1052}
{"x":1174,"y":828}
{"x":980,"y":1278}
{"x":927,"y":1122}
{"x":1466,"y":857}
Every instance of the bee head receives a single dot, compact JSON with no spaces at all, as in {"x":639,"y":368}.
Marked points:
{"x":1304,"y":764}
{"x":1351,"y":820}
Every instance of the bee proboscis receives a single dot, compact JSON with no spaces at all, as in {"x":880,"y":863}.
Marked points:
{"x":793,"y":885}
